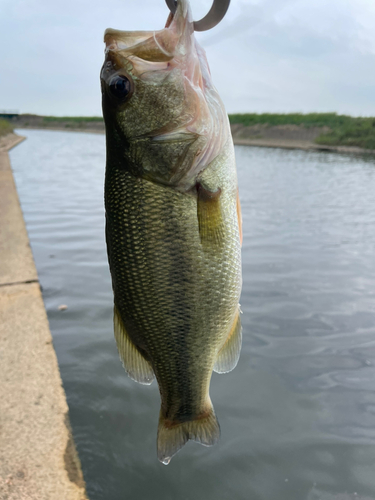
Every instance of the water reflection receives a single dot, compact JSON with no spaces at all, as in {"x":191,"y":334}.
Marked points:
{"x":298,"y":413}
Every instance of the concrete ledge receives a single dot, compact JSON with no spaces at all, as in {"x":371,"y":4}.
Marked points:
{"x":9,"y":141}
{"x":16,"y":260}
{"x":38,"y":459}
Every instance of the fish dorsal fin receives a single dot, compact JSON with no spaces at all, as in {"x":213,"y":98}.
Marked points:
{"x":229,"y":354}
{"x":136,"y":366}
{"x":210,"y":217}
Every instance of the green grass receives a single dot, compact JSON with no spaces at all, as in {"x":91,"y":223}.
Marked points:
{"x":307,"y":120}
{"x":72,"y":119}
{"x":360,"y":132}
{"x":345,"y":130}
{"x":5,"y":127}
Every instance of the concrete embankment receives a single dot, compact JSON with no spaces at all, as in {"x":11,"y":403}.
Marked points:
{"x":38,"y":458}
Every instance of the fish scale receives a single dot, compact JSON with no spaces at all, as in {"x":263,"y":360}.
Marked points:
{"x":165,"y":288}
{"x":172,"y":231}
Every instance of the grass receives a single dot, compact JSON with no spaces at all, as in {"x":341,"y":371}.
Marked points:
{"x":5,"y":127}
{"x":72,"y":119}
{"x":345,"y":130}
{"x":308,"y":120}
{"x":360,"y":132}
{"x":73,"y":122}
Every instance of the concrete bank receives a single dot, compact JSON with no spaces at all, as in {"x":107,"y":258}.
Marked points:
{"x":38,"y":459}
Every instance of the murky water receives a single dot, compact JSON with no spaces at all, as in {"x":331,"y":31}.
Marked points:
{"x":298,"y":413}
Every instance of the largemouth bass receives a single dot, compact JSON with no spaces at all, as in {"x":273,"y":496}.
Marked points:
{"x":173,"y":223}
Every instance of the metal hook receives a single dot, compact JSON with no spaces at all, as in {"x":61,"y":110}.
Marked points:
{"x":214,"y":16}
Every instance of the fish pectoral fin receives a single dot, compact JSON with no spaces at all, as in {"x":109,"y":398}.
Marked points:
{"x":210,"y":217}
{"x":136,"y":366}
{"x":229,"y":354}
{"x":173,"y":435}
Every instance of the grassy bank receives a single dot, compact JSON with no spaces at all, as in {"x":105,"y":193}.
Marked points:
{"x":345,"y":130}
{"x":58,"y":122}
{"x":72,"y":121}
{"x":5,"y":127}
{"x":339,"y":130}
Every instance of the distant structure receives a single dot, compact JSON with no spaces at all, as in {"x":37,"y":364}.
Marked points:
{"x":9,"y":114}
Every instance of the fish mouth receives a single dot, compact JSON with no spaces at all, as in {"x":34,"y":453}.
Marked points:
{"x":155,"y":46}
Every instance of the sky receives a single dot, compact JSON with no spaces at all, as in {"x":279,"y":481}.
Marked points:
{"x":265,"y":56}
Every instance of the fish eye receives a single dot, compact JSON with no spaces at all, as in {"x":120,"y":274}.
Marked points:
{"x":120,"y":87}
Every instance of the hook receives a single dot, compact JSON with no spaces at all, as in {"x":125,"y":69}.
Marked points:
{"x":214,"y":16}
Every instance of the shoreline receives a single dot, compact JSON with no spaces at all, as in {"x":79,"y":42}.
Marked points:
{"x":38,"y":457}
{"x":303,"y":145}
{"x":9,"y":141}
{"x":256,"y":142}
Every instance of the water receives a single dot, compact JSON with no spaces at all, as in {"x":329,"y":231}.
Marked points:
{"x":298,"y":413}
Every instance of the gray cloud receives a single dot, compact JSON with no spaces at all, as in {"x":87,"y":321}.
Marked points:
{"x":266,"y":55}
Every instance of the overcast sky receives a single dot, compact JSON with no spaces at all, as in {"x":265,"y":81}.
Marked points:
{"x":265,"y":56}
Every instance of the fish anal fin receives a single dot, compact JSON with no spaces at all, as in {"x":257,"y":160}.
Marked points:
{"x":229,"y":354}
{"x":210,"y":217}
{"x":172,"y":436}
{"x":136,"y":366}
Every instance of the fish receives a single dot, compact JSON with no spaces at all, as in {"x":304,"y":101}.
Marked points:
{"x":173,"y":223}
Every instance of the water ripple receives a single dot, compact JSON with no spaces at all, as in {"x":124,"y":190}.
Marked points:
{"x":298,"y":413}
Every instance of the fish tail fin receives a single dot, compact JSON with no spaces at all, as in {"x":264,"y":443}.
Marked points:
{"x":172,"y":436}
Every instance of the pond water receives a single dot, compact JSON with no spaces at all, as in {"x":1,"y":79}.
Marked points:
{"x":298,"y":413}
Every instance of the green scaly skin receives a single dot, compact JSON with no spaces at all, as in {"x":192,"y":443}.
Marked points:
{"x":172,"y":223}
{"x":176,"y":295}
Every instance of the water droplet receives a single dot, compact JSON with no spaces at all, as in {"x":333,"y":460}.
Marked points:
{"x":166,"y":460}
